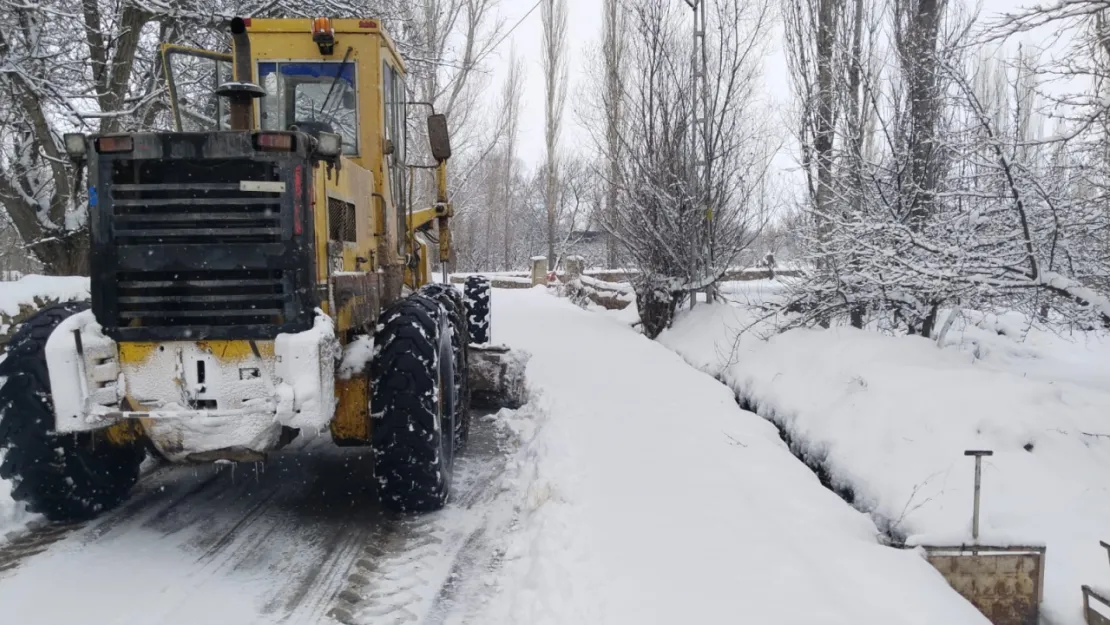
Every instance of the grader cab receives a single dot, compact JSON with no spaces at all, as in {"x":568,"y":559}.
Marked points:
{"x":257,"y":275}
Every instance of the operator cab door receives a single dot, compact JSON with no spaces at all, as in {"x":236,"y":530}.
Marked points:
{"x":192,"y":76}
{"x":394,"y":118}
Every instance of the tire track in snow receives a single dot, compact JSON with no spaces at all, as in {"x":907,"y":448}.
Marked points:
{"x":299,"y":539}
{"x":411,"y":570}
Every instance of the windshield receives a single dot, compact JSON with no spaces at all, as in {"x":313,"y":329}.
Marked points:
{"x":297,"y":93}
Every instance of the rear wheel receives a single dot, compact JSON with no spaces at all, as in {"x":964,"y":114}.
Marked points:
{"x":66,"y":477}
{"x":452,"y":301}
{"x":476,"y":292}
{"x":413,"y":405}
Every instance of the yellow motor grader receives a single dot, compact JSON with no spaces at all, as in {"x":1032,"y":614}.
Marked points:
{"x":258,"y":274}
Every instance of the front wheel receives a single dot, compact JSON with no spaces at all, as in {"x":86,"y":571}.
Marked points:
{"x":476,"y":292}
{"x":68,"y":477}
{"x":413,"y":405}
{"x":452,"y":301}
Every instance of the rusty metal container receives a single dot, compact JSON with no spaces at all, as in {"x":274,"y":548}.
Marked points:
{"x":1005,"y":583}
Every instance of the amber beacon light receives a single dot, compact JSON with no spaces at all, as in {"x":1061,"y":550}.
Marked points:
{"x":323,"y":34}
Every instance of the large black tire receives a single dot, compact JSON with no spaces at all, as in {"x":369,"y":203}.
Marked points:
{"x":476,"y":293}
{"x":452,"y":300}
{"x":68,"y":477}
{"x":412,"y":407}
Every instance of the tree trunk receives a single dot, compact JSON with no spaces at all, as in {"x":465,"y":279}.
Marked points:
{"x":657,"y":308}
{"x":65,"y":257}
{"x":920,"y":65}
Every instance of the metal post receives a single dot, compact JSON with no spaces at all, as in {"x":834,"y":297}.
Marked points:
{"x":699,"y":129}
{"x":978,"y":481}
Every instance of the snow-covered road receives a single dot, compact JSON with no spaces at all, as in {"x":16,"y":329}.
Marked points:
{"x":297,"y":541}
{"x":631,"y":490}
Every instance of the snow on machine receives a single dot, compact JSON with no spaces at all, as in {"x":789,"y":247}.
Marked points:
{"x":257,"y":275}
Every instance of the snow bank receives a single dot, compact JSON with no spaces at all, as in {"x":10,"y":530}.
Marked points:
{"x":27,"y":288}
{"x":890,"y":418}
{"x":650,"y":497}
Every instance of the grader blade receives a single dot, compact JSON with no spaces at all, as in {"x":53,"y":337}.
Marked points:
{"x":496,"y":376}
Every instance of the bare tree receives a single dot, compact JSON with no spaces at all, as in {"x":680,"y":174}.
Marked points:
{"x":554,"y":16}
{"x":510,"y":104}
{"x":660,"y":211}
{"x":613,"y":59}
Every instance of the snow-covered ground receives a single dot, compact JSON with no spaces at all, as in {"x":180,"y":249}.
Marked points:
{"x":890,"y":418}
{"x":27,"y":288}
{"x":648,"y":496}
{"x":637,"y":491}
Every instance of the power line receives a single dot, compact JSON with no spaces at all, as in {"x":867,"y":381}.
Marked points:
{"x":515,"y":26}
{"x":499,"y":41}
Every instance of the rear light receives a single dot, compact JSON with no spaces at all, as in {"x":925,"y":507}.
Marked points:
{"x":115,"y":144}
{"x":273,"y":142}
{"x":298,"y":200}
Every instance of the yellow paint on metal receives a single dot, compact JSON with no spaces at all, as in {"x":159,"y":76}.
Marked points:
{"x":279,"y":40}
{"x":137,"y":353}
{"x":351,"y":423}
{"x":123,"y":433}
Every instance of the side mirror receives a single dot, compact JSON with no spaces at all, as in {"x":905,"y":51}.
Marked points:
{"x":439,"y":137}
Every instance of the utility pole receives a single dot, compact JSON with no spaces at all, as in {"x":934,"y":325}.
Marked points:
{"x":700,"y":147}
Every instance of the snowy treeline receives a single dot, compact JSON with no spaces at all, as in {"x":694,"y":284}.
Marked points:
{"x":949,"y":163}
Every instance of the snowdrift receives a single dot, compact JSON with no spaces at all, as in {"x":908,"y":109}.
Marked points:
{"x":890,"y":417}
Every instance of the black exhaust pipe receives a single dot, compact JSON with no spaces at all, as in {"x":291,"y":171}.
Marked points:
{"x":242,"y":90}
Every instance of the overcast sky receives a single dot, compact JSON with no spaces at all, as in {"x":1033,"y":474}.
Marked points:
{"x":583,"y":29}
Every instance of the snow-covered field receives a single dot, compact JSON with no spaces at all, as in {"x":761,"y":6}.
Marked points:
{"x":890,"y":418}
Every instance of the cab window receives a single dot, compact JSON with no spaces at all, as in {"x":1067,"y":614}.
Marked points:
{"x":394,"y":109}
{"x":311,"y":95}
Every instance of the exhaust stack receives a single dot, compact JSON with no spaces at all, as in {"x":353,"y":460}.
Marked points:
{"x":241,"y":91}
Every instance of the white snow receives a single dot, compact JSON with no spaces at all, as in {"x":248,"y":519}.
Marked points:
{"x":356,"y":357}
{"x":27,"y":288}
{"x":890,"y":417}
{"x":648,"y":496}
{"x":13,"y":516}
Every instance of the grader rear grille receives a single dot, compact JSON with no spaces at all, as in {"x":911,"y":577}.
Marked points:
{"x":194,"y":210}
{"x":209,"y":298}
{"x":200,"y":237}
